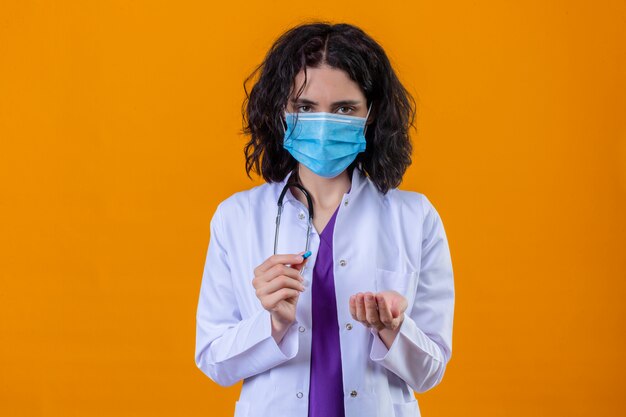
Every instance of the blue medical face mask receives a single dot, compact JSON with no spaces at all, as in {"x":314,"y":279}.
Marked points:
{"x":326,"y":143}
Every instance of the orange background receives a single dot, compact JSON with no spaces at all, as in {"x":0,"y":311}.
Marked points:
{"x":119,"y":136}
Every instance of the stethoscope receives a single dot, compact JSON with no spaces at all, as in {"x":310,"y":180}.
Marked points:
{"x":280,"y":211}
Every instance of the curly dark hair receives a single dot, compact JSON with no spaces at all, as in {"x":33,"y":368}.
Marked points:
{"x":342,"y":46}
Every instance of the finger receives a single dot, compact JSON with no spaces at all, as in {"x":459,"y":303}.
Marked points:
{"x":403,"y":304}
{"x":278,"y":259}
{"x":398,"y":306}
{"x":352,"y":304}
{"x":278,"y":270}
{"x":278,"y":283}
{"x":395,"y":307}
{"x":383,"y":311}
{"x":360,"y":308}
{"x":270,"y":301}
{"x":370,"y":310}
{"x":299,"y":267}
{"x":397,"y":321}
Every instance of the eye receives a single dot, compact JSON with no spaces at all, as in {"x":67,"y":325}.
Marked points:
{"x":350,"y":109}
{"x":303,"y":111}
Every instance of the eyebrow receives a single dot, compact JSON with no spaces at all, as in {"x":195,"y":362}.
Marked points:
{"x":336,"y":103}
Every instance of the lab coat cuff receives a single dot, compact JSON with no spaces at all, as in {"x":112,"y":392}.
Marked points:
{"x":408,"y":336}
{"x":379,"y":350}
{"x":278,"y":352}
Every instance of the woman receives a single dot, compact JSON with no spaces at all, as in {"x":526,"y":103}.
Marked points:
{"x":365,"y":321}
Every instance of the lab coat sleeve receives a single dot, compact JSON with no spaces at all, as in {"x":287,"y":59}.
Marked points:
{"x":229,"y":348}
{"x":423,"y":346}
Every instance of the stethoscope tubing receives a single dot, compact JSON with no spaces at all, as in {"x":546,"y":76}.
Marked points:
{"x":280,"y":211}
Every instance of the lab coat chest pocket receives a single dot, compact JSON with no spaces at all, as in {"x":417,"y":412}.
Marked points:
{"x":404,"y":282}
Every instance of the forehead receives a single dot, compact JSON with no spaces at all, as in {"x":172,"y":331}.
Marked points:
{"x":326,"y":84}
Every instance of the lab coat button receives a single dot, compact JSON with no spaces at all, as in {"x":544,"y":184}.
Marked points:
{"x":349,"y":326}
{"x":301,"y":328}
{"x":342,"y":262}
{"x":345,"y":203}
{"x":301,"y":215}
{"x":299,"y":395}
{"x":353,"y":394}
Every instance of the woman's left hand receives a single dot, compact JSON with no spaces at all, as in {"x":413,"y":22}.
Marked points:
{"x":383,"y":310}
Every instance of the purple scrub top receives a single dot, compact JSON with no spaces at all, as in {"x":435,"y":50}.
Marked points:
{"x":326,"y":385}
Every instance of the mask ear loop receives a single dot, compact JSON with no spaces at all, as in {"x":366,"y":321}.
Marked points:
{"x":366,"y":117}
{"x":283,"y":122}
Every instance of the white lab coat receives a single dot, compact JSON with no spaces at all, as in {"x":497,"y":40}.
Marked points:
{"x":395,"y":241}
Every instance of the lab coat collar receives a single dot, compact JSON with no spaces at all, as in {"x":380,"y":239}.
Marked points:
{"x":359,"y":180}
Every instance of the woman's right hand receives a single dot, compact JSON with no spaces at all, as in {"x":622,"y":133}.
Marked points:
{"x":278,"y":287}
